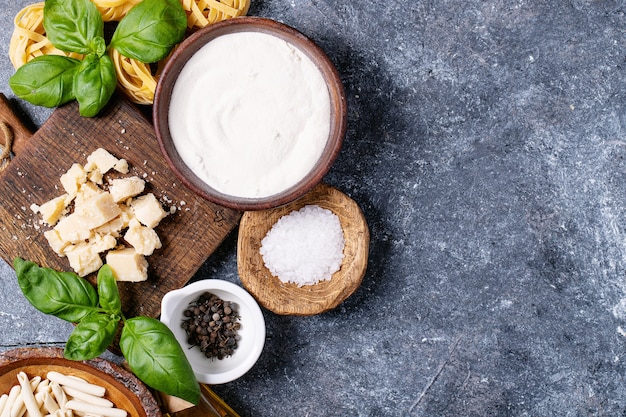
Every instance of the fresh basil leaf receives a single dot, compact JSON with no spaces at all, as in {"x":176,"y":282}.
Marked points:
{"x":156,"y":357}
{"x":91,"y":337}
{"x":71,"y":24}
{"x":98,"y":46}
{"x":94,"y":84}
{"x":62,"y":294}
{"x":150,"y":30}
{"x":46,"y":80}
{"x":108,"y":293}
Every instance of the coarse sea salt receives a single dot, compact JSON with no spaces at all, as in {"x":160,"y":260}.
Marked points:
{"x":305,"y":246}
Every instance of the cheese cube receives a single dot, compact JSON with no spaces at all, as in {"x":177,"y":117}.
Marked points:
{"x":86,"y":191}
{"x":144,"y":239}
{"x":51,"y":211}
{"x":97,"y":210}
{"x":73,"y":178}
{"x":113,"y":227}
{"x":101,"y":243}
{"x":95,"y":176}
{"x":102,"y":160}
{"x":56,"y":243}
{"x":127,"y":215}
{"x":121,"y":166}
{"x":148,"y":210}
{"x":100,"y":215}
{"x":84,"y":258}
{"x":123,"y":188}
{"x":127,"y":265}
{"x":71,"y":229}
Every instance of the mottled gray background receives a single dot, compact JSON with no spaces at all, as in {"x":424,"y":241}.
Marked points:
{"x":486,"y":146}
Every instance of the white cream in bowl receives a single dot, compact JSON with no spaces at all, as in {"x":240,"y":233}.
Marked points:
{"x":250,"y":114}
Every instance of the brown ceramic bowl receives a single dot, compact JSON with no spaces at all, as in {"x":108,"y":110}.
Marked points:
{"x":249,"y":24}
{"x":123,"y":389}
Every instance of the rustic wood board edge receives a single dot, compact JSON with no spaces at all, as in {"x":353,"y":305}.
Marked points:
{"x":189,"y":235}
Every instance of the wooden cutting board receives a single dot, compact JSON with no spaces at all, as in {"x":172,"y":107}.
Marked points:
{"x":188,"y":236}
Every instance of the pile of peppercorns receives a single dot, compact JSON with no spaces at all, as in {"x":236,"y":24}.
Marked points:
{"x":212,"y":324}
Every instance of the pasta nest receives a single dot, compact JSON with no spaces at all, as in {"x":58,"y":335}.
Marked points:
{"x":136,"y":79}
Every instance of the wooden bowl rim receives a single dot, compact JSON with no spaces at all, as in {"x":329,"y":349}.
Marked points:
{"x":288,"y":298}
{"x":97,"y":369}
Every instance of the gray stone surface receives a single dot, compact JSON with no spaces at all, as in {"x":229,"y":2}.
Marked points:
{"x":486,"y":146}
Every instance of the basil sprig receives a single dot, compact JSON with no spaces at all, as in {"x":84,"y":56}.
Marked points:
{"x":72,"y":25}
{"x":46,"y":80}
{"x":149,"y":346}
{"x":145,"y":346}
{"x":94,"y":83}
{"x":65,"y":295}
{"x":150,"y":30}
{"x":147,"y":33}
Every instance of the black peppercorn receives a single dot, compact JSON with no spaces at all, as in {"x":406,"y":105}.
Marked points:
{"x":211,"y":324}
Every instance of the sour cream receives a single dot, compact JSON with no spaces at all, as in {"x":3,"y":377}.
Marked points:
{"x":250,"y":114}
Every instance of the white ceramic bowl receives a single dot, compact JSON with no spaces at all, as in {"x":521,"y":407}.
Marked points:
{"x":252,"y":331}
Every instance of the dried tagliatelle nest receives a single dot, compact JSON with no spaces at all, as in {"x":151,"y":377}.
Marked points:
{"x":137,"y":79}
{"x":204,"y":12}
{"x":29,"y":39}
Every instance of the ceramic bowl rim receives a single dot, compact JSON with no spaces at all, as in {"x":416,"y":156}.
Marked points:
{"x":172,"y":306}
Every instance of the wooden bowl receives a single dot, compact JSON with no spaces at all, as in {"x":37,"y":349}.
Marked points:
{"x":163,"y":95}
{"x":122,"y":387}
{"x":287,"y":298}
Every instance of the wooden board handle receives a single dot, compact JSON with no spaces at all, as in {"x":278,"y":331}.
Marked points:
{"x":21,"y":133}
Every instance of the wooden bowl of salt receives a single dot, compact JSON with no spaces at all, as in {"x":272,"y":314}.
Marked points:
{"x":288,"y":298}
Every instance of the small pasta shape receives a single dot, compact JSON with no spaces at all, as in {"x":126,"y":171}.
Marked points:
{"x":62,"y":412}
{"x":4,"y":398}
{"x":59,"y":395}
{"x":14,"y":394}
{"x":80,"y":406}
{"x":78,"y":384}
{"x":87,"y":398}
{"x":49,"y":404}
{"x":28,"y":396}
{"x":43,"y":386}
